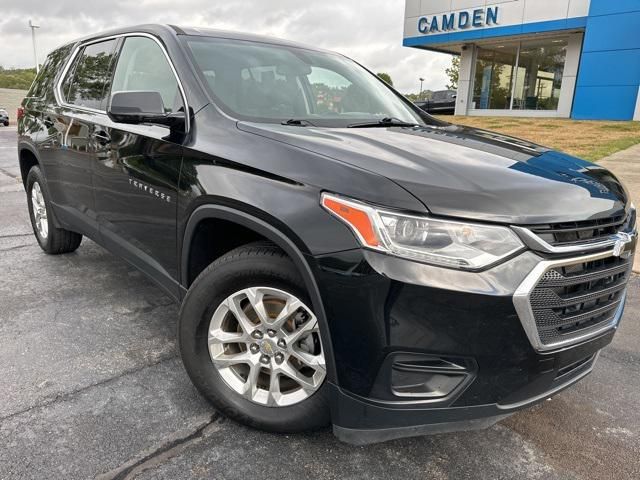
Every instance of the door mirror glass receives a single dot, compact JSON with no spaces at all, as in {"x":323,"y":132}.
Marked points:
{"x":141,"y":107}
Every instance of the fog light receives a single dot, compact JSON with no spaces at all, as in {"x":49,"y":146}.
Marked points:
{"x":423,"y":378}
{"x":414,"y":380}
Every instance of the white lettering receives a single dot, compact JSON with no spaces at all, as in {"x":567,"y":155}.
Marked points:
{"x":150,"y":190}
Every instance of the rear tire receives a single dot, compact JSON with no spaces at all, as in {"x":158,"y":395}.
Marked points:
{"x":52,"y":240}
{"x":265,"y":272}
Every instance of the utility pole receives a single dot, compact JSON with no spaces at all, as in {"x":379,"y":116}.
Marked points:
{"x":33,"y":27}
{"x":420,"y":94}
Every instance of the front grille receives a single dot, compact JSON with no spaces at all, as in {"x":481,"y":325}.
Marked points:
{"x":583,"y":232}
{"x":573,"y":300}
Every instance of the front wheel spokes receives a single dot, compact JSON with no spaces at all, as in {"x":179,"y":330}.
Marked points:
{"x":312,"y":361}
{"x":274,"y":389}
{"x":306,"y":383}
{"x":303,"y":330}
{"x":224,"y":360}
{"x":292,"y":306}
{"x":233,"y":304}
{"x":220,"y":336}
{"x":256,"y":299}
{"x":272,"y":357}
{"x":250,"y":387}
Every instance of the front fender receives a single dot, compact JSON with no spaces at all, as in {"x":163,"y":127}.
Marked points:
{"x":291,"y":248}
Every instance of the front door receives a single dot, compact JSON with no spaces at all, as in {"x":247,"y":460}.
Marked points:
{"x":137,"y":169}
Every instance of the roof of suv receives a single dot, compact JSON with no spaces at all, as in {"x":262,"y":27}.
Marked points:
{"x":197,"y":31}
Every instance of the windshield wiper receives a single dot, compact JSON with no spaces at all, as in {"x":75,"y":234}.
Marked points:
{"x":385,"y":122}
{"x":297,"y":122}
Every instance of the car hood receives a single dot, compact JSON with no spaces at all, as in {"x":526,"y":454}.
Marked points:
{"x":466,"y":172}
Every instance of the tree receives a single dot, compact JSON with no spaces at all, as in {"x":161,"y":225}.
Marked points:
{"x":416,"y":97}
{"x":386,"y":77}
{"x":453,"y":72}
{"x":19,"y":78}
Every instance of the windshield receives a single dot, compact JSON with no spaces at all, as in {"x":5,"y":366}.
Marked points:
{"x":274,"y":83}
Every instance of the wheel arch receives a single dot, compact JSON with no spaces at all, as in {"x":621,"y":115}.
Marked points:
{"x":277,"y":237}
{"x":27,"y":157}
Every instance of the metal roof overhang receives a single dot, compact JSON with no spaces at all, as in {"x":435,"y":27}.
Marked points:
{"x":454,"y":41}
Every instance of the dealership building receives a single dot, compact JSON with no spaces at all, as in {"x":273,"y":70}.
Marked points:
{"x":550,"y":58}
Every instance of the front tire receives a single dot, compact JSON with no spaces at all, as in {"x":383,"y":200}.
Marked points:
{"x":52,"y":240}
{"x":251,"y":344}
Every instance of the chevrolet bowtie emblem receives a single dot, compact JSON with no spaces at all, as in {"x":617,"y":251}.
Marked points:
{"x":621,"y":243}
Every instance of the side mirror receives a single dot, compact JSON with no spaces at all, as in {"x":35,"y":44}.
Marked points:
{"x":141,"y":107}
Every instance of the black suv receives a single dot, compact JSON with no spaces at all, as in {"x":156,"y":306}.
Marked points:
{"x":340,"y":256}
{"x":440,"y":103}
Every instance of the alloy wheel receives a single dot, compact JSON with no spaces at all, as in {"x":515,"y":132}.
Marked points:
{"x":265,"y":344}
{"x":39,"y":210}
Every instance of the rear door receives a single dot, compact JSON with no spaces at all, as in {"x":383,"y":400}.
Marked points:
{"x":69,"y":159}
{"x":137,"y":167}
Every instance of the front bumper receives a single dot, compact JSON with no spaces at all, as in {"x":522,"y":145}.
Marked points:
{"x":381,"y":307}
{"x":362,"y":421}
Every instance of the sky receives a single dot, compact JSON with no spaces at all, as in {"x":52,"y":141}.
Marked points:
{"x":369,"y":31}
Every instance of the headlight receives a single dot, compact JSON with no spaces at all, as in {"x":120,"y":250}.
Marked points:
{"x":466,"y":246}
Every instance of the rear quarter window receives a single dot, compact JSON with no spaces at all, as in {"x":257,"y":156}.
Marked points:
{"x":43,"y":85}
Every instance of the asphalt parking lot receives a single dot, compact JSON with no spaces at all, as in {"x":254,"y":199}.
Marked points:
{"x":91,"y":386}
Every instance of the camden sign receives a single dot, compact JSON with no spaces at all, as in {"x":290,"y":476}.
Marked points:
{"x":462,"y":20}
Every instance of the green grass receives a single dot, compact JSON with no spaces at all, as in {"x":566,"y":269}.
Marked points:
{"x":18,"y":78}
{"x":609,"y":148}
{"x":591,"y":140}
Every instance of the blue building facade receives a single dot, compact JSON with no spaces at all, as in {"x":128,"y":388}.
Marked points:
{"x":548,"y":58}
{"x":609,"y":74}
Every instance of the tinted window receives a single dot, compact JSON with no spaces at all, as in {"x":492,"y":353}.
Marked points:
{"x":92,"y":76}
{"x":66,"y":84}
{"x":43,"y":83}
{"x":142,"y":65}
{"x":443,"y":95}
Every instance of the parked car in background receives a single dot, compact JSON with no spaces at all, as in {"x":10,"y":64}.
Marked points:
{"x":442,"y":102}
{"x":340,"y":255}
{"x":4,"y":117}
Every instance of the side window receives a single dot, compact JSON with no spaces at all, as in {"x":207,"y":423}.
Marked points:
{"x":91,"y":76}
{"x":43,"y":84}
{"x":142,"y":65}
{"x":68,"y":79}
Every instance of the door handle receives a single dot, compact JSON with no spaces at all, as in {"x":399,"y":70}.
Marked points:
{"x":102,"y":137}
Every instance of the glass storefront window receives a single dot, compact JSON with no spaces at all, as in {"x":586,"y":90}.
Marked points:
{"x":539,"y":75}
{"x":493,"y":79}
{"x":525,"y":76}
